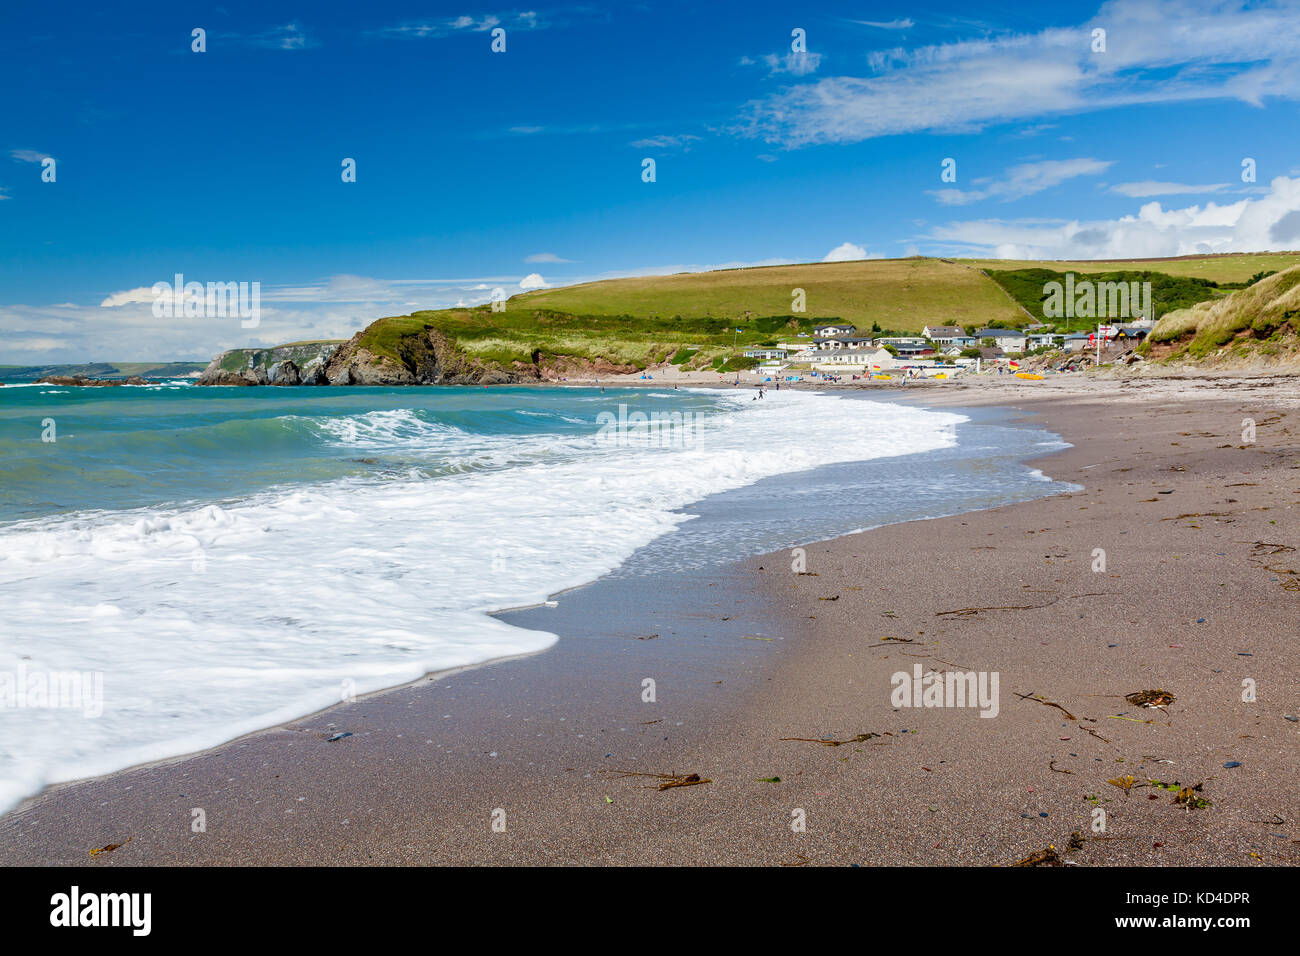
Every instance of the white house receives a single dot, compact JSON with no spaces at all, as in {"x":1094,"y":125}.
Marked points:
{"x":765,"y":353}
{"x":943,"y":334}
{"x":860,"y":357}
{"x":1008,"y":340}
{"x":842,"y":342}
{"x":826,"y":331}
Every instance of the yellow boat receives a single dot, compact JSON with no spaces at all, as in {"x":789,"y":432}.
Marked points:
{"x":1029,"y":375}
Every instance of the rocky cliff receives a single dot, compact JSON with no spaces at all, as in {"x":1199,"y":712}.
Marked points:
{"x":422,"y":357}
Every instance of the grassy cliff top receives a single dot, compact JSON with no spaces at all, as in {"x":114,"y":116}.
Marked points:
{"x":902,"y":294}
{"x":1228,"y":267}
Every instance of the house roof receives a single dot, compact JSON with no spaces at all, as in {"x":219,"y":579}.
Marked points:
{"x":945,"y":330}
{"x":841,"y":325}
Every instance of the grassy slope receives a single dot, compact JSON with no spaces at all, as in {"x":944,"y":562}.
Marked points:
{"x":1234,"y":267}
{"x":515,"y":335}
{"x":1167,"y":292}
{"x":1264,"y":318}
{"x":900,"y":294}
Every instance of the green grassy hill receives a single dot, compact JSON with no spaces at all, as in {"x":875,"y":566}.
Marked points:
{"x":105,"y":370}
{"x":1167,"y":292}
{"x":900,"y":294}
{"x":1224,"y":269}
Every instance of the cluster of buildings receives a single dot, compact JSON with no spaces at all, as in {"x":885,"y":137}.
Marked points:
{"x":840,"y":344}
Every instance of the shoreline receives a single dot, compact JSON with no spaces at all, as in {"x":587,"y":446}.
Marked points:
{"x":735,"y":818}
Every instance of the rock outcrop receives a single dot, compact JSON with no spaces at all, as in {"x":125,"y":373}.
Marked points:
{"x":284,"y":373}
{"x":283,"y":365}
{"x":79,"y":381}
{"x":424,"y":357}
{"x":427,"y":357}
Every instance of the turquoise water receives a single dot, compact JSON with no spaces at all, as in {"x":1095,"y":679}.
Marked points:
{"x":132,"y":447}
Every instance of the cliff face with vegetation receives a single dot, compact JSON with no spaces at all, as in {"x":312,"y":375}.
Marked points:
{"x":301,"y":363}
{"x":479,"y":346}
{"x":1256,"y":326}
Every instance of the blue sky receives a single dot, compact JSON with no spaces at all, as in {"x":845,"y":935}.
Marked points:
{"x":478,"y":169}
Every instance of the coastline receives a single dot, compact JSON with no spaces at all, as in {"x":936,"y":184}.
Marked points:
{"x":286,"y":796}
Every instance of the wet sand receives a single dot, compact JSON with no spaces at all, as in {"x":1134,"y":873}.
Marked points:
{"x":1195,"y":598}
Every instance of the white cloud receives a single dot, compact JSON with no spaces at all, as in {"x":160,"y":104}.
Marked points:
{"x":903,"y":24}
{"x":34,"y":344}
{"x":128,"y":297}
{"x":446,"y":26}
{"x":1271,"y":222}
{"x":1023,"y":180}
{"x":288,"y":37}
{"x":1151,"y":187}
{"x":846,"y":252}
{"x":533,"y":281}
{"x":682,"y":140}
{"x":545,"y":257}
{"x":796,"y":64}
{"x":29,"y":155}
{"x":1158,"y":51}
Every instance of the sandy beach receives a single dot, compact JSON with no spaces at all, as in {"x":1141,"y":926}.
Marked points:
{"x":775,"y":688}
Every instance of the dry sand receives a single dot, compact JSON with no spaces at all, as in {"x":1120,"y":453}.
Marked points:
{"x":1198,"y":595}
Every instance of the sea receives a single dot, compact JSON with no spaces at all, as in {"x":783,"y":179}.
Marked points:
{"x":182,"y":565}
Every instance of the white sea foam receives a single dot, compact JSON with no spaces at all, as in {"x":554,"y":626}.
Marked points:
{"x":221,"y":620}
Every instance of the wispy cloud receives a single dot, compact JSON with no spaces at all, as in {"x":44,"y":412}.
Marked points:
{"x":904,"y":24}
{"x":681,"y":141}
{"x":796,"y":64}
{"x":288,"y":37}
{"x":545,"y":257}
{"x":29,"y":155}
{"x":1023,"y":180}
{"x":1151,"y":187}
{"x":1158,"y":51}
{"x":436,"y":28}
